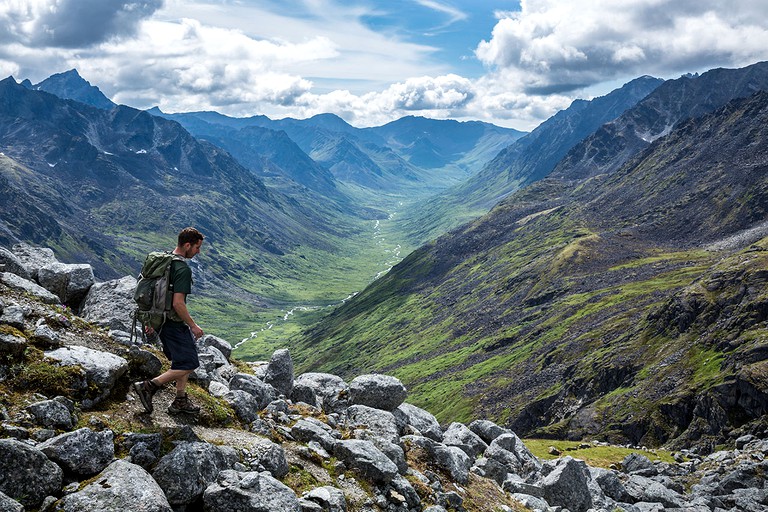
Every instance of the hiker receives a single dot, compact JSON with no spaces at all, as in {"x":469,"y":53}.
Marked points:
{"x":178,"y":332}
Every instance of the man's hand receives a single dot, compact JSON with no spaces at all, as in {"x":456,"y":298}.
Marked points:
{"x":197,"y":332}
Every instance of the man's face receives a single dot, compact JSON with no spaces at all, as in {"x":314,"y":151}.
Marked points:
{"x":191,"y":250}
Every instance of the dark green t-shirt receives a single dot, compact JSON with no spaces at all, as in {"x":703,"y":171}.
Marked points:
{"x":181,"y":282}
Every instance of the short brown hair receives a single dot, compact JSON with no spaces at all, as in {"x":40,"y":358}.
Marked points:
{"x":189,"y":235}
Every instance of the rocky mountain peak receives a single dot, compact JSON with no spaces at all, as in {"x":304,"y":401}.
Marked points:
{"x":70,"y":85}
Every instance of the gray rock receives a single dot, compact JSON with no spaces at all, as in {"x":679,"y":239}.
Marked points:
{"x":743,"y":477}
{"x":20,"y":284}
{"x":26,"y":474}
{"x":102,"y":369}
{"x":364,"y":457}
{"x":280,"y":372}
{"x":393,"y":451}
{"x":421,"y":420}
{"x":487,"y":430}
{"x":378,"y":391}
{"x":303,"y":393}
{"x":70,"y":282}
{"x":251,"y":491}
{"x":610,"y":483}
{"x":404,"y":489}
{"x":222,"y":345}
{"x":490,"y":468}
{"x":310,"y":429}
{"x":524,"y":462}
{"x":144,"y":449}
{"x":566,"y":485}
{"x":82,"y":452}
{"x":7,"y":504}
{"x":12,"y":346}
{"x":33,"y":258}
{"x":640,"y":464}
{"x":110,"y":304}
{"x":513,"y":484}
{"x":121,"y":487}
{"x":331,"y":391}
{"x":263,"y":392}
{"x":46,"y":335}
{"x":329,"y":498}
{"x":186,"y":472}
{"x":642,"y":489}
{"x":532,"y":502}
{"x":268,"y":455}
{"x":218,"y":389}
{"x":9,"y":262}
{"x":382,"y":423}
{"x":246,"y":405}
{"x":52,"y":413}
{"x":144,"y":363}
{"x":14,"y":316}
{"x":309,"y":506}
{"x":459,"y":435}
{"x":450,"y":458}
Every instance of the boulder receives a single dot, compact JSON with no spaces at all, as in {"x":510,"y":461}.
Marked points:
{"x":329,"y":498}
{"x":566,"y":485}
{"x":331,"y":391}
{"x":364,"y":457}
{"x":186,"y":472}
{"x":381,"y":423}
{"x":641,"y":488}
{"x":143,"y":449}
{"x":33,"y":258}
{"x":280,"y":372}
{"x":309,"y":429}
{"x":378,"y":391}
{"x":424,"y":422}
{"x":26,"y":474}
{"x":9,"y":262}
{"x":270,"y":456}
{"x":487,"y":430}
{"x":15,"y":316}
{"x":610,"y":483}
{"x":45,"y":335}
{"x":450,"y":458}
{"x":82,"y":452}
{"x":245,"y":405}
{"x":52,"y":414}
{"x":263,"y":392}
{"x":8,"y":504}
{"x":460,"y":436}
{"x":251,"y":491}
{"x":110,"y":304}
{"x":144,"y":363}
{"x":509,"y":450}
{"x":24,"y":285}
{"x":102,"y":369}
{"x":222,"y":345}
{"x":638,"y":464}
{"x":12,"y":347}
{"x":70,"y":282}
{"x":121,"y":487}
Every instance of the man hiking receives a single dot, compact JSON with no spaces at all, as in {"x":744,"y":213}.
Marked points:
{"x":179,"y":331}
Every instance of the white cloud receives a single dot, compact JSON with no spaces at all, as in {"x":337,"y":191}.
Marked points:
{"x":557,"y":46}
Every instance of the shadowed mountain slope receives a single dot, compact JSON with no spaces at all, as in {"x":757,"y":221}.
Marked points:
{"x":601,"y":307}
{"x":106,"y":186}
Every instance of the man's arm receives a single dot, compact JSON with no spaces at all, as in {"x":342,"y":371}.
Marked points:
{"x":181,"y":309}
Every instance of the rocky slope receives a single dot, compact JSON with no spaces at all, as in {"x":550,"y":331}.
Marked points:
{"x":627,"y":306}
{"x":72,"y":438}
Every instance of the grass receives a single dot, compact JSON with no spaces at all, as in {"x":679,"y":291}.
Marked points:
{"x":596,"y":456}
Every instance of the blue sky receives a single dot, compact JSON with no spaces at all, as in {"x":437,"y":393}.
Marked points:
{"x":512,"y":63}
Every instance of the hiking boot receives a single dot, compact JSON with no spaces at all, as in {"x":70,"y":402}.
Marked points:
{"x":182,"y":404}
{"x":146,"y":391}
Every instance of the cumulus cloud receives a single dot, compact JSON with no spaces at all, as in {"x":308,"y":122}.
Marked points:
{"x":71,"y":23}
{"x":554,"y":46}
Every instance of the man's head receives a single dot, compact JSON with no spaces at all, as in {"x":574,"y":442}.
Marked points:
{"x":189,"y":242}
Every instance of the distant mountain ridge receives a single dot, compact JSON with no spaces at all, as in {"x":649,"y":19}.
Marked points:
{"x":528,"y":159}
{"x":70,"y":85}
{"x":597,"y":306}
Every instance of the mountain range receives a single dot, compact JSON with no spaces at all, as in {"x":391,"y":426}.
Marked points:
{"x":615,"y":289}
{"x":624,"y":303}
